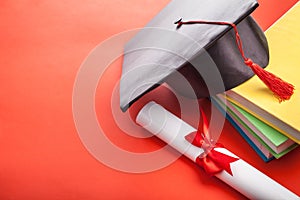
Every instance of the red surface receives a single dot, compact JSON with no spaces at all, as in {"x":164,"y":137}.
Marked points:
{"x":42,"y":45}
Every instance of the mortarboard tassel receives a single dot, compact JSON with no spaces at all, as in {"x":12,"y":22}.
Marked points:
{"x":281,"y":89}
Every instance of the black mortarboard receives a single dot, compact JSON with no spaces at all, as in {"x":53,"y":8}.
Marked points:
{"x":163,"y":48}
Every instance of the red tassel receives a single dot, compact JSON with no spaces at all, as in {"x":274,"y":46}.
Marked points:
{"x":281,"y":89}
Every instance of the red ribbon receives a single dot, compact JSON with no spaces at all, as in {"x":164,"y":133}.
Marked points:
{"x":213,"y":162}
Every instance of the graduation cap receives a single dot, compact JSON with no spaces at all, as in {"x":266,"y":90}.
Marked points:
{"x":223,"y":29}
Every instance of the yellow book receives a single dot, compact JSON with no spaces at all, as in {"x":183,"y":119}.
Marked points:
{"x":253,"y":96}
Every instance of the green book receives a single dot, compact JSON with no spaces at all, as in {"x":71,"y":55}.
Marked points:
{"x":272,"y":137}
{"x":277,"y":144}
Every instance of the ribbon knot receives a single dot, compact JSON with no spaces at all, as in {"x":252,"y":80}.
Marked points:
{"x":213,"y":161}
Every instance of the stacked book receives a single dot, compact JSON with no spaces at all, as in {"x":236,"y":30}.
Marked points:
{"x":271,"y":128}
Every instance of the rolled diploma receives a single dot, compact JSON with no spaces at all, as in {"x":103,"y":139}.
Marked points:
{"x":246,"y":179}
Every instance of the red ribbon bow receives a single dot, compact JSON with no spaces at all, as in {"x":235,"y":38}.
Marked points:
{"x":213,"y":162}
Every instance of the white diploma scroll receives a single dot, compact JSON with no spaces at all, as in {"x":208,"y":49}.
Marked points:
{"x":246,"y":179}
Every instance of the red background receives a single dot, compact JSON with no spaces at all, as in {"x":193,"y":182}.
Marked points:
{"x":42,"y":45}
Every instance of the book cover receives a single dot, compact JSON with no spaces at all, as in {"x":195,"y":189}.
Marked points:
{"x":263,"y":152}
{"x":271,"y":137}
{"x":251,"y":135}
{"x":254,"y":96}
